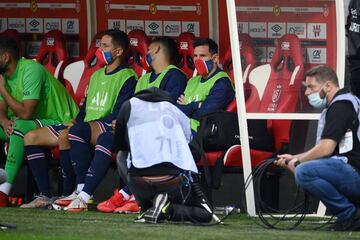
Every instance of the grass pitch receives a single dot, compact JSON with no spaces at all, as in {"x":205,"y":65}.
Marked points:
{"x":58,"y":225}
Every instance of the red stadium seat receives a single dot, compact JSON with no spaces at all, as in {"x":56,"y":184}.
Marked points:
{"x":52,"y":53}
{"x":14,"y":34}
{"x":186,"y":52}
{"x":77,"y":74}
{"x":248,"y":61}
{"x":275,"y":87}
{"x":139,"y":44}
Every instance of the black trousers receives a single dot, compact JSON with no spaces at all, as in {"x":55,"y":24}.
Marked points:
{"x":146,"y":188}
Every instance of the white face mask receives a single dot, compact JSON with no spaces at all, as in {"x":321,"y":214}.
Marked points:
{"x":316,"y":101}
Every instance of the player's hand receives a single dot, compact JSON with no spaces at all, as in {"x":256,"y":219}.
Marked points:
{"x":8,"y":126}
{"x":181,"y":100}
{"x":113,"y":124}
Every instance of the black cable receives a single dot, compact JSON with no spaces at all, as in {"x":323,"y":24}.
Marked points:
{"x":298,"y":209}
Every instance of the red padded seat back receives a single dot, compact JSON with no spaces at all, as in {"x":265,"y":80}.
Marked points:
{"x":186,"y":53}
{"x":139,"y":44}
{"x":247,"y":54}
{"x":287,"y":64}
{"x":52,"y":53}
{"x":248,"y":61}
{"x":284,"y":84}
{"x":77,"y":75}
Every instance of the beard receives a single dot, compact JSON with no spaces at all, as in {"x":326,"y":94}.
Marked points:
{"x":3,"y":68}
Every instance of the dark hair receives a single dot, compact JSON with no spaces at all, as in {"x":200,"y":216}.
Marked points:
{"x":213,"y":47}
{"x":169,"y":46}
{"x":323,"y":73}
{"x":118,"y":38}
{"x":9,"y":45}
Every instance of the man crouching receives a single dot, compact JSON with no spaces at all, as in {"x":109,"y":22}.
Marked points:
{"x":155,"y":161}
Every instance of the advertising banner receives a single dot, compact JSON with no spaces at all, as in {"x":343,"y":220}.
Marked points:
{"x":156,"y":18}
{"x":314,"y":22}
{"x":34,"y":18}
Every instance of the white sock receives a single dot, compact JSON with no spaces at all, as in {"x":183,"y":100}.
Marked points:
{"x":5,"y":188}
{"x":84,"y":196}
{"x":80,"y":187}
{"x":125,"y":195}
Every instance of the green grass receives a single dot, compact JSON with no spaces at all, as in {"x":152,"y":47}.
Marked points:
{"x":45,"y":224}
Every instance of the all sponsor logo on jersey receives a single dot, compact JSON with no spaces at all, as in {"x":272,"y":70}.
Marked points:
{"x":172,"y":28}
{"x":193,"y":27}
{"x":276,"y":30}
{"x":258,"y":29}
{"x":153,"y":28}
{"x":17,"y":24}
{"x":100,"y":101}
{"x":134,"y":24}
{"x":52,"y":23}
{"x":34,"y":25}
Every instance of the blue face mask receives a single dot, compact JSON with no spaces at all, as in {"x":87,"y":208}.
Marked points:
{"x":316,"y":101}
{"x":148,"y":59}
{"x":108,"y":57}
{"x":203,"y":67}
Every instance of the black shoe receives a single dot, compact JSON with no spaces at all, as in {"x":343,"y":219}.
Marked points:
{"x":154,"y":214}
{"x":140,"y":218}
{"x":353,"y":224}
